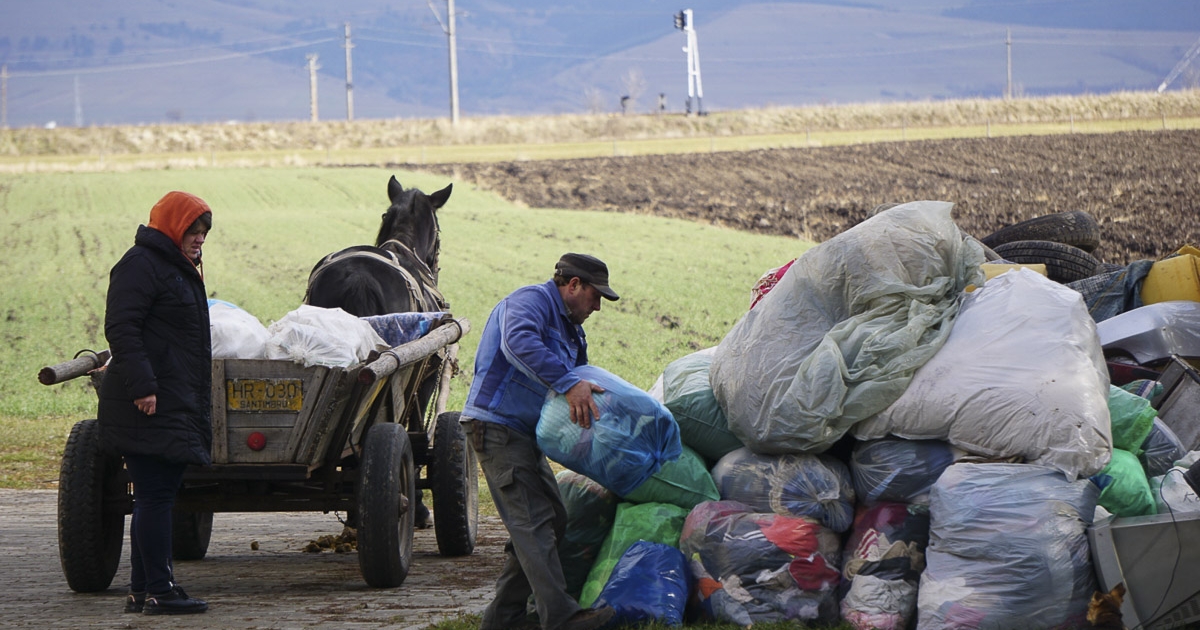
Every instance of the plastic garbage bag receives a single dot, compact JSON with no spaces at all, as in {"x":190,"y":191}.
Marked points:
{"x":882,"y":562}
{"x":400,"y":328}
{"x":236,"y":334}
{"x":650,"y":582}
{"x":839,"y":337}
{"x":1124,"y":488}
{"x":311,"y":335}
{"x":1008,"y":548}
{"x":1161,"y":449}
{"x":771,"y":567}
{"x":630,"y":440}
{"x":1132,"y":419}
{"x":1173,"y":494}
{"x":654,"y":522}
{"x":689,"y":396}
{"x":684,"y":482}
{"x":591,"y":510}
{"x":817,"y":486}
{"x":1022,"y":374}
{"x":895,"y":469}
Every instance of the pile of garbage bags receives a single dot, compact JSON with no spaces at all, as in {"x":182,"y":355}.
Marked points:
{"x":895,"y":435}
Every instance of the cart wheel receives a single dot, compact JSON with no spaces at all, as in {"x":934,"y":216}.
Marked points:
{"x":386,"y":487}
{"x":190,"y":533}
{"x":92,"y":496}
{"x":454,"y":480}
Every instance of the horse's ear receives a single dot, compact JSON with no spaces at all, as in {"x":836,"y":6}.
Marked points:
{"x":394,"y":188}
{"x":439,"y":198}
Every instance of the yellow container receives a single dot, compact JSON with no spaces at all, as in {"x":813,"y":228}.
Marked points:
{"x":1175,"y":278}
{"x":991,"y":270}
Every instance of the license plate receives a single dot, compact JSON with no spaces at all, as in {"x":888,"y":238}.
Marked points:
{"x":264,"y":394}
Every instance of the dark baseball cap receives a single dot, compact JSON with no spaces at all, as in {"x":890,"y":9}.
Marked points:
{"x":590,"y":269}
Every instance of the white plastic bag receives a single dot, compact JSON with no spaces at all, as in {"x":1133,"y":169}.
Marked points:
{"x":236,"y":334}
{"x":1022,"y":374}
{"x":311,"y":335}
{"x":839,"y":337}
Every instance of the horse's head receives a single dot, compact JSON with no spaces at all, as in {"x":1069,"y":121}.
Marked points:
{"x":412,"y":220}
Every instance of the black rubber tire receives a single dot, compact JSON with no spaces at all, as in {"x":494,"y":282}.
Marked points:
{"x":190,"y":534}
{"x":454,"y":481}
{"x":385,"y":500}
{"x":91,"y":515}
{"x":1076,"y":228}
{"x":1064,"y":263}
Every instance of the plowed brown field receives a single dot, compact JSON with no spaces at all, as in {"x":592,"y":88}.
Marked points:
{"x":1143,"y":187}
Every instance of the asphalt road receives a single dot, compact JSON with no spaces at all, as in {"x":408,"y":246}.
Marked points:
{"x":276,"y":586}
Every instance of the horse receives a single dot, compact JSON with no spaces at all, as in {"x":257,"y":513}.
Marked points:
{"x":399,"y":274}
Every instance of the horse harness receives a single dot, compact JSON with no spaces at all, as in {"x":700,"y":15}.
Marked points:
{"x":422,"y":288}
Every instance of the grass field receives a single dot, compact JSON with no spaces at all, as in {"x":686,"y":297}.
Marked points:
{"x":683,"y":285}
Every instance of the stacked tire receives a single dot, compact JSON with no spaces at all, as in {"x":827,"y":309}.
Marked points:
{"x":1063,"y":242}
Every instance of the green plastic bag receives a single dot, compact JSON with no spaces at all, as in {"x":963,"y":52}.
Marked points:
{"x":685,"y":482}
{"x":690,"y":398}
{"x":1125,"y":491}
{"x":653,"y":522}
{"x":1132,"y":419}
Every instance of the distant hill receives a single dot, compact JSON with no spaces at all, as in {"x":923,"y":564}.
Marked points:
{"x":147,"y":61}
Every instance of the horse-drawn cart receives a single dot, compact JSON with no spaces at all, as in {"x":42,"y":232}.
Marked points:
{"x":291,"y":438}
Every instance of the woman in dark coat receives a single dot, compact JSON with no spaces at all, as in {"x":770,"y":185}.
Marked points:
{"x":155,"y":401}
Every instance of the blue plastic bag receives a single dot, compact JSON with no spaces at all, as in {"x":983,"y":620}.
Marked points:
{"x":629,"y":442}
{"x":651,"y":582}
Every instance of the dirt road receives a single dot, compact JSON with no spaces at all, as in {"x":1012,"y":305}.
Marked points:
{"x":277,"y":586}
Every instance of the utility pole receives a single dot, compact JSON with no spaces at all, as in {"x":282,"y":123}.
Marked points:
{"x":1188,"y":57}
{"x":78,"y":104}
{"x":349,"y":80}
{"x":683,"y":21}
{"x":1008,"y":91}
{"x":312,"y":85}
{"x":4,"y":96}
{"x":448,"y":28}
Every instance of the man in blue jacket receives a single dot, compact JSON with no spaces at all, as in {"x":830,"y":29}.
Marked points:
{"x":531,"y":344}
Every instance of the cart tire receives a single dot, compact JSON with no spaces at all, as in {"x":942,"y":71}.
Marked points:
{"x":454,"y":480}
{"x":190,"y":533}
{"x":385,"y":496}
{"x":91,"y":517}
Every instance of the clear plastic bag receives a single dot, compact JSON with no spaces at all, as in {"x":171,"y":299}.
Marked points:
{"x":895,"y":469}
{"x":840,"y":335}
{"x":1022,"y":374}
{"x":311,"y":335}
{"x":816,"y":486}
{"x":627,"y":444}
{"x":689,"y":396}
{"x":1008,"y":548}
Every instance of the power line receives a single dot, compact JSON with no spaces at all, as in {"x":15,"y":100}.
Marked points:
{"x":164,"y":64}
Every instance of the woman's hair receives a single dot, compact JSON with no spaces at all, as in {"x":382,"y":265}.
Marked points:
{"x":203,"y":221}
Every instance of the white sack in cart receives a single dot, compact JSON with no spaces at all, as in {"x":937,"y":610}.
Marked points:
{"x":236,"y":334}
{"x":1008,"y":548}
{"x":1022,"y":374}
{"x":311,"y":335}
{"x":840,"y":335}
